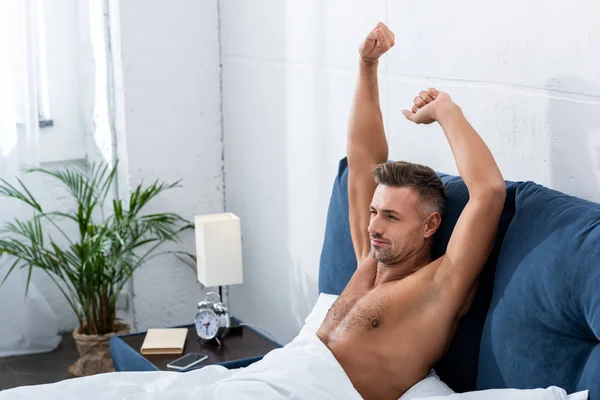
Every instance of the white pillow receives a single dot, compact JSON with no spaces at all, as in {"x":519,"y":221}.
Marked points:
{"x":432,"y":387}
{"x":314,"y":320}
{"x":550,"y":393}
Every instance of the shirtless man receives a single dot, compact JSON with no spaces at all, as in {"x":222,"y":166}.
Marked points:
{"x":401,"y":308}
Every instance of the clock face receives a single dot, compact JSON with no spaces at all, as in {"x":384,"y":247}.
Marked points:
{"x":207,"y":324}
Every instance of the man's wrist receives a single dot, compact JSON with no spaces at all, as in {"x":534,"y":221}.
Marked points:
{"x":445,"y":110}
{"x":369,"y":62}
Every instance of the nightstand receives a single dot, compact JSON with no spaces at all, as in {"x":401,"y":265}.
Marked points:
{"x":239,"y":349}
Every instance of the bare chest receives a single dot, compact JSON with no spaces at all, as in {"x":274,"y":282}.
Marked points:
{"x":378,"y":308}
{"x":387,"y":338}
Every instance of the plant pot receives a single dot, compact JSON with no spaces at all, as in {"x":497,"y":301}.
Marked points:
{"x":94,"y":352}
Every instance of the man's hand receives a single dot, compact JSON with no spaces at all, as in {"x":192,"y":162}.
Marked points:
{"x":426,"y":107}
{"x":379,"y":40}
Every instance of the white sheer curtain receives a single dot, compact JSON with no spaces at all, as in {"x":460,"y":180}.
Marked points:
{"x":27,"y":323}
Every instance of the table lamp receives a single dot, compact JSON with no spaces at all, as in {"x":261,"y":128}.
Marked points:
{"x":218,"y":250}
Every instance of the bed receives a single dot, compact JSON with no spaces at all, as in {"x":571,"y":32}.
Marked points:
{"x":533,"y":331}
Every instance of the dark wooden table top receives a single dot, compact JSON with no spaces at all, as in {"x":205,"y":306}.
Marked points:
{"x":243,"y":342}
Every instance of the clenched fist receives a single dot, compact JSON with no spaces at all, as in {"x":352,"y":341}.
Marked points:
{"x":379,"y":40}
{"x":426,"y":105}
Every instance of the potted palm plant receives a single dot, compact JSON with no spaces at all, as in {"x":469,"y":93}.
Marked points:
{"x":91,"y":267}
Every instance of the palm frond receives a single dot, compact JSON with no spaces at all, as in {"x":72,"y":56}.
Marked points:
{"x":142,"y":196}
{"x":78,"y":184}
{"x":166,"y":226}
{"x":30,"y":230}
{"x":51,"y":214}
{"x":8,"y":190}
{"x":101,"y":177}
{"x":14,"y":265}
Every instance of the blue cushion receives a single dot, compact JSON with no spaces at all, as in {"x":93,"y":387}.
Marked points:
{"x":338,"y":262}
{"x":125,"y":358}
{"x":543,"y":326}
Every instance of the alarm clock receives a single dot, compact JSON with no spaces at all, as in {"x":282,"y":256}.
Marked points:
{"x":212,"y":320}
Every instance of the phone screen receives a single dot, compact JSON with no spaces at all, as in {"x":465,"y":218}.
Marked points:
{"x":187,"y":361}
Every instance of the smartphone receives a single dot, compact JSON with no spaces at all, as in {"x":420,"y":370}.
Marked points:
{"x":187,"y":361}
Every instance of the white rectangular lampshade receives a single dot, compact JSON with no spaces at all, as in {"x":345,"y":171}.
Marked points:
{"x":219,"y":249}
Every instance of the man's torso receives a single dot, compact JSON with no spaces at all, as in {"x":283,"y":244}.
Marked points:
{"x":387,"y":337}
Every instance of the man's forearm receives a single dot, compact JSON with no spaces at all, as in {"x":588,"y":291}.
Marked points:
{"x":474,"y":160}
{"x":367,"y":143}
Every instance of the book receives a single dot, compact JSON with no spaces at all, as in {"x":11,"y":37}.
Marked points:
{"x":164,"y":341}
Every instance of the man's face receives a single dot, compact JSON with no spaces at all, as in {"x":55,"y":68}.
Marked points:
{"x":397,"y":227}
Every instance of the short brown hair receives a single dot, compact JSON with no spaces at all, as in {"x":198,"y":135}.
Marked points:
{"x":419,"y":177}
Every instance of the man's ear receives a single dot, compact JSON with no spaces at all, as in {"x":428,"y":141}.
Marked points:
{"x":432,"y":223}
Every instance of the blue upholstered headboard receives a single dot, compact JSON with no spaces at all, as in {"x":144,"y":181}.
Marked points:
{"x":535,"y":321}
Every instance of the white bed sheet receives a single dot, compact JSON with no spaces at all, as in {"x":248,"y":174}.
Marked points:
{"x":303,"y":369}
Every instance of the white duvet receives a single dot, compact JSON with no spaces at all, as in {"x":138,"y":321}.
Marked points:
{"x":303,"y":369}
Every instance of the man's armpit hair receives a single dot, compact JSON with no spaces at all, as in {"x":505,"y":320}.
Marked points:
{"x":421,"y":178}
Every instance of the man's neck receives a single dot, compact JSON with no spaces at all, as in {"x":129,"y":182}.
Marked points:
{"x":394,"y":272}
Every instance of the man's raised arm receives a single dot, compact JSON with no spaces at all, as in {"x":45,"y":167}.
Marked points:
{"x":474,"y":233}
{"x":367,"y":145}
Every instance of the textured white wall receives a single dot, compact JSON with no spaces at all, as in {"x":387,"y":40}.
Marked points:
{"x":527,"y":75}
{"x":171,"y":81}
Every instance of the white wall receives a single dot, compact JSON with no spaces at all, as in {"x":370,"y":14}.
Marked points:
{"x":526,"y":74}
{"x":171,"y":82}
